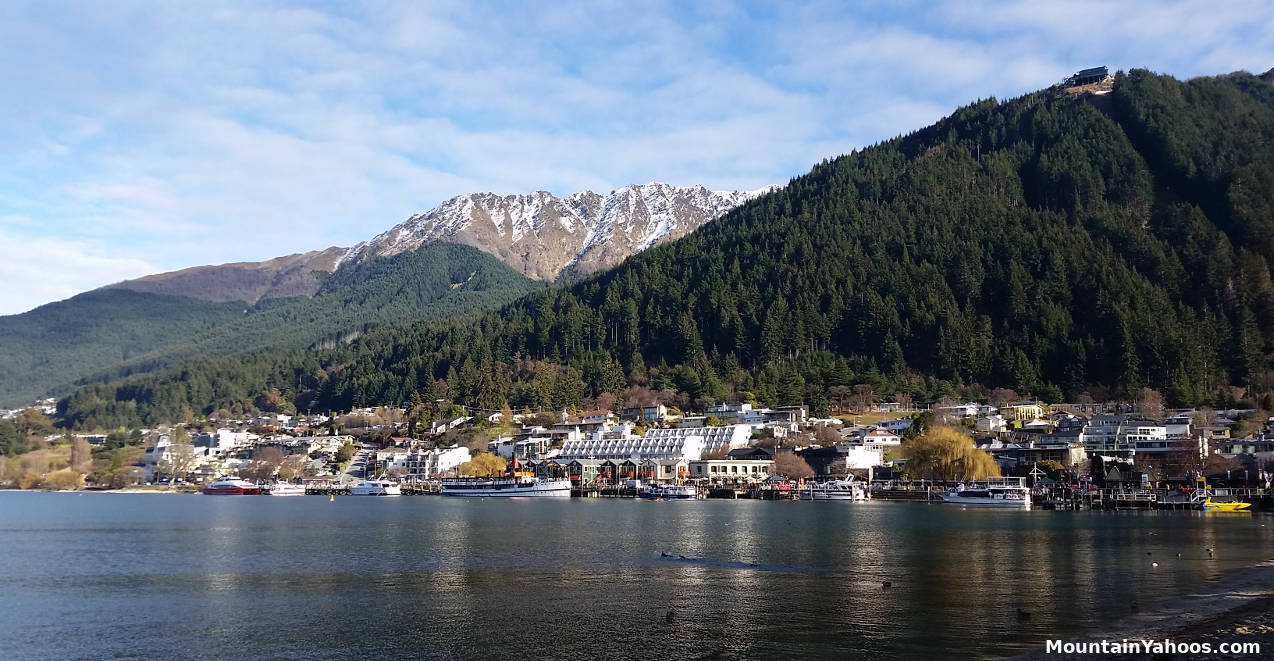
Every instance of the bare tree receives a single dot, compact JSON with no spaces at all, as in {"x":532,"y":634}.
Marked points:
{"x":81,"y":455}
{"x":944,"y":412}
{"x":267,"y":462}
{"x":1150,"y":403}
{"x":864,"y":397}
{"x":292,"y":467}
{"x":837,"y":396}
{"x":1204,"y":417}
{"x":792,"y":467}
{"x":1002,"y":396}
{"x":904,"y":401}
{"x":827,"y":436}
{"x":180,"y":458}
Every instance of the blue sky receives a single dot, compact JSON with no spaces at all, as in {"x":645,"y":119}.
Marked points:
{"x":143,"y":137}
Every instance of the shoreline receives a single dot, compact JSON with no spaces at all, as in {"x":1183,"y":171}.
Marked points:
{"x":1236,"y":608}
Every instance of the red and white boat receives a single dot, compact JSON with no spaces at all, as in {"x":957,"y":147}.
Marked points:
{"x":231,"y":486}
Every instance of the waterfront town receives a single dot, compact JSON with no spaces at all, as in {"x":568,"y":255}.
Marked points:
{"x":1134,"y":449}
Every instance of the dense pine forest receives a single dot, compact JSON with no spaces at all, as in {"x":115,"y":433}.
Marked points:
{"x":111,"y":333}
{"x":1053,"y":244}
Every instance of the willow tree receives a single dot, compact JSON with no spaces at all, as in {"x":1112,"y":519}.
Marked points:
{"x":483,"y":464}
{"x":948,"y":454}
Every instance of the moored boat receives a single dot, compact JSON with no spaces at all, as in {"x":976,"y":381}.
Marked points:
{"x":1008,"y":492}
{"x":845,"y":489}
{"x":284,"y":489}
{"x":517,"y":485}
{"x":514,"y":483}
{"x":231,"y":486}
{"x":668,"y":492}
{"x":376,"y":488}
{"x":1210,"y":505}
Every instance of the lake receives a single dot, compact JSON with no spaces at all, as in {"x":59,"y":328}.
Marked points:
{"x":99,"y":575}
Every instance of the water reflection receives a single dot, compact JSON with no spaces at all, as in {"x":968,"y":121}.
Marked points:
{"x":440,"y":578}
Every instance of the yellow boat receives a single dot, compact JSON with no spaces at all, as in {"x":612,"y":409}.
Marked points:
{"x":1210,"y":505}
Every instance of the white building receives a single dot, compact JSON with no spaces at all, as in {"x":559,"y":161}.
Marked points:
{"x":713,"y":438}
{"x":862,"y":457}
{"x":425,"y":464}
{"x":990,"y":424}
{"x":731,"y":471}
{"x":636,"y":448}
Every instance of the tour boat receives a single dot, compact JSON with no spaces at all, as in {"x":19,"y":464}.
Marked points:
{"x":231,"y":486}
{"x":846,"y":489}
{"x":679,"y":492}
{"x":513,"y":484}
{"x":284,"y":489}
{"x":995,"y":492}
{"x":376,"y":488}
{"x":1210,"y":505}
{"x":668,"y":492}
{"x":507,"y":486}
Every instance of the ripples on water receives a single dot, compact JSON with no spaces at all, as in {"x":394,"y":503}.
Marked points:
{"x":139,"y":576}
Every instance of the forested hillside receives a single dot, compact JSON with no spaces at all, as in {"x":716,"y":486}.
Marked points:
{"x":1052,"y":244}
{"x":112,"y":333}
{"x":57,"y":343}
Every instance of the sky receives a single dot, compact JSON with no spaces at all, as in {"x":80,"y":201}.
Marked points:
{"x":140,"y":137}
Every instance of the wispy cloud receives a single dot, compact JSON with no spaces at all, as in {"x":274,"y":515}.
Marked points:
{"x":150,"y":135}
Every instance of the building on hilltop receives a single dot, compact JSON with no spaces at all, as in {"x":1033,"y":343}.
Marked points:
{"x":1096,"y":80}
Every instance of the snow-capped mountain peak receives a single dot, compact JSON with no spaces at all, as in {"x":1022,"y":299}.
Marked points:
{"x":543,"y":235}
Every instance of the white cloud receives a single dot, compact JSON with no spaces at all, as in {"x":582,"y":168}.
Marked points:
{"x":38,"y":271}
{"x":163,"y":136}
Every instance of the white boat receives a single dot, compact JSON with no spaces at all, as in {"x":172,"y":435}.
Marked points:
{"x":845,"y":489}
{"x":668,"y":492}
{"x":376,"y":488}
{"x":231,"y":486}
{"x":284,"y":489}
{"x":994,"y":492}
{"x":521,"y":485}
{"x":679,"y":492}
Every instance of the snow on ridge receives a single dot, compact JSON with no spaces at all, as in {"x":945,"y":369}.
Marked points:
{"x":534,"y":231}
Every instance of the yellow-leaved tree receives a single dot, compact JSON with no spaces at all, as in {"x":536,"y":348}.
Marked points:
{"x":483,"y":464}
{"x":948,"y":454}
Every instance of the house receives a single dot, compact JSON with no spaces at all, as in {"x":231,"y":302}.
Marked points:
{"x":424,"y":464}
{"x":663,"y":470}
{"x":1011,"y":455}
{"x":990,"y":424}
{"x":966,"y":410}
{"x":826,"y":462}
{"x":896,"y":425}
{"x":751,"y":453}
{"x":594,"y":417}
{"x":1023,"y":411}
{"x":878,"y":437}
{"x":1099,"y":76}
{"x":656,"y":413}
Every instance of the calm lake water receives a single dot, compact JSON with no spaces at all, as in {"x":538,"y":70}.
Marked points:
{"x":91,"y":576}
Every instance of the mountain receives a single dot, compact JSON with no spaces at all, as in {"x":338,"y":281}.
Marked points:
{"x":1054,"y":244}
{"x":545,"y":236}
{"x":540,"y":234}
{"x":283,"y":277}
{"x":55,"y":344}
{"x":109,"y":333}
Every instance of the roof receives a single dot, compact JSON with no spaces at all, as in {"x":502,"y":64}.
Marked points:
{"x":1095,"y":71}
